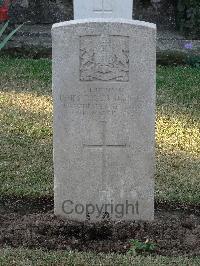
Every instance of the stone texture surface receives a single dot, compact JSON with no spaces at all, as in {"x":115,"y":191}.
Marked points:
{"x":103,"y":9}
{"x":104,"y":116}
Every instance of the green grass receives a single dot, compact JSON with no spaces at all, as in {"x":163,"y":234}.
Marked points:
{"x":20,"y":257}
{"x":26,"y":167}
{"x":178,"y":135}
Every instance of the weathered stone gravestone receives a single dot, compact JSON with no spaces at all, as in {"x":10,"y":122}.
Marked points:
{"x":104,"y":115}
{"x":103,"y":9}
{"x":104,"y":95}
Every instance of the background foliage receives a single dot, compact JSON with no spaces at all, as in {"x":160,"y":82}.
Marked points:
{"x":188,"y":17}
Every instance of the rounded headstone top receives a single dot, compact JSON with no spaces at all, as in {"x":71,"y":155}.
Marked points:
{"x":103,"y":20}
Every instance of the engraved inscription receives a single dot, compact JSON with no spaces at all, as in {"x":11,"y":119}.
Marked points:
{"x":104,"y":58}
{"x":98,"y":102}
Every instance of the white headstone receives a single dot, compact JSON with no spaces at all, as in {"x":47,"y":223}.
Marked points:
{"x":104,"y":119}
{"x":103,"y":9}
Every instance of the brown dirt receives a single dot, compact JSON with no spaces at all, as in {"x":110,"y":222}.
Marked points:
{"x":31,"y":223}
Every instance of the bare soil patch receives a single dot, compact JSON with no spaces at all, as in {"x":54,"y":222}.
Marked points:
{"x":31,"y":223}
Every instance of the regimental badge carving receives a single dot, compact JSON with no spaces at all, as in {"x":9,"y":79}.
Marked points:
{"x":104,"y":58}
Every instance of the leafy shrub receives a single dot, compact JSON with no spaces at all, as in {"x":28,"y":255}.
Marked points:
{"x":9,"y":36}
{"x":188,"y":17}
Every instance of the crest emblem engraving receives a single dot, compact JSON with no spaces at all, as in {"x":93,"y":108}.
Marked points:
{"x":104,"y":58}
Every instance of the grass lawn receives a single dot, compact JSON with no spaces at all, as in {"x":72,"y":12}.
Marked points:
{"x":20,"y":257}
{"x":26,"y":167}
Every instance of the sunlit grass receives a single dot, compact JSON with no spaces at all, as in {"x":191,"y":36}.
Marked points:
{"x":178,"y":129}
{"x":178,"y":135}
{"x":26,"y":131}
{"x":26,"y":166}
{"x":178,"y":155}
{"x":27,"y":114}
{"x":28,"y":102}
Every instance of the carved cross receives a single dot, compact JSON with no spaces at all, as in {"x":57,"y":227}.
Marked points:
{"x":85,"y":9}
{"x":104,"y":146}
{"x":103,"y":6}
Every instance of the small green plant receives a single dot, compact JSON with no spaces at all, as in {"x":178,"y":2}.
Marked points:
{"x":9,"y":36}
{"x":193,"y":61}
{"x":137,"y":246}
